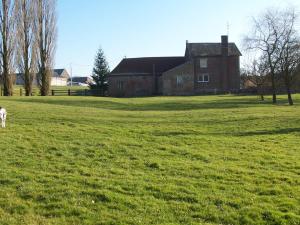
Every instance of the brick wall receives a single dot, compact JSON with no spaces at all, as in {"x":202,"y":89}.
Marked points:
{"x":172,"y":87}
{"x":234,"y":73}
{"x":223,"y":78}
{"x":132,"y":85}
{"x":219,"y":80}
{"x":214,"y":69}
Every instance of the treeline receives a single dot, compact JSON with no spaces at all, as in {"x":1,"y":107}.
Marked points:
{"x":274,"y":49}
{"x":28,"y":40}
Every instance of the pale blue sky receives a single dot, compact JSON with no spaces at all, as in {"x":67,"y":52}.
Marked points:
{"x":140,"y":28}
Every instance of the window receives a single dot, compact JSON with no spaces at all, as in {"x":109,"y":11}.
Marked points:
{"x":179,"y":80}
{"x":120,"y":85}
{"x":203,"y":78}
{"x":203,"y":62}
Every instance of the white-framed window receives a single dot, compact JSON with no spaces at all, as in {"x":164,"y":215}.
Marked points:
{"x":120,"y":85}
{"x":179,"y":80}
{"x":203,"y":63}
{"x":203,"y":78}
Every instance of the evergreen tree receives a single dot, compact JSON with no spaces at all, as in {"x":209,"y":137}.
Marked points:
{"x":100,"y":72}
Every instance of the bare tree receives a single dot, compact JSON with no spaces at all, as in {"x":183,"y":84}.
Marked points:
{"x":289,"y":50}
{"x":46,"y":27}
{"x":7,"y":39}
{"x":26,"y":43}
{"x":256,"y":72}
{"x":265,"y":38}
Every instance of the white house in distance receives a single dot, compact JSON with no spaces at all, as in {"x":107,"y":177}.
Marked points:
{"x":80,"y":81}
{"x":59,"y":77}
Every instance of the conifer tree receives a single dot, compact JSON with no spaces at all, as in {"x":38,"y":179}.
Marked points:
{"x":100,"y":72}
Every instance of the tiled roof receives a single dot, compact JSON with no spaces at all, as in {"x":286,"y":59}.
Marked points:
{"x":55,"y":73}
{"x":58,"y":71}
{"x":147,"y":65}
{"x":211,"y":49}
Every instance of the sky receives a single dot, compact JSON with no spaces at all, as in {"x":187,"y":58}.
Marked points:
{"x":147,"y":28}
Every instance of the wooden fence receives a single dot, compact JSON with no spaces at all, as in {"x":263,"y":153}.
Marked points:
{"x":70,"y":92}
{"x":60,"y":92}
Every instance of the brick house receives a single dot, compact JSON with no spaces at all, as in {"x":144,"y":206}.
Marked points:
{"x":205,"y":68}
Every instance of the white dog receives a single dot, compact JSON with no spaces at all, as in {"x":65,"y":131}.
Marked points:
{"x":3,"y":114}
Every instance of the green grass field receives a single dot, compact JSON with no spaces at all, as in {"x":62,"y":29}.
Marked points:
{"x":165,"y":160}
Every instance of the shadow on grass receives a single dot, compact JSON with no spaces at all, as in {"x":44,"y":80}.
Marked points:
{"x":270,"y":132}
{"x":162,"y":104}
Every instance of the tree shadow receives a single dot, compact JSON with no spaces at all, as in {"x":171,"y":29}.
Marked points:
{"x":269,"y":132}
{"x":162,"y":104}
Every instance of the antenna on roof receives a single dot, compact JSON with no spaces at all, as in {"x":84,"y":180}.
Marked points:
{"x":228,"y":28}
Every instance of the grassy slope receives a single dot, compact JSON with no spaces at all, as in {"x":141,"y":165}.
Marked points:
{"x":177,"y":160}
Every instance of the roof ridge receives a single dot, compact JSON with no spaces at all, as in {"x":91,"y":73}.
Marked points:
{"x":156,"y":57}
{"x":209,"y":43}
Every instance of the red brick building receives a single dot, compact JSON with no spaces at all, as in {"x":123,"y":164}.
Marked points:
{"x":205,"y":68}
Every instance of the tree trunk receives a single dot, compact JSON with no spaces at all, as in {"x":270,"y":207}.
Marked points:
{"x":28,"y":83}
{"x":7,"y":79}
{"x":7,"y":85}
{"x":46,"y":80}
{"x":288,"y":90}
{"x":290,"y":98}
{"x":262,"y":98}
{"x":260,"y":92}
{"x":274,"y":98}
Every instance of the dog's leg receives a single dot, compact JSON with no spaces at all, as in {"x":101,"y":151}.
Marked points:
{"x":4,"y":120}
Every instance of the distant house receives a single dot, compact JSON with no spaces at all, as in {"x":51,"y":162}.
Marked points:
{"x":80,"y":81}
{"x":205,"y":68}
{"x":59,"y":78}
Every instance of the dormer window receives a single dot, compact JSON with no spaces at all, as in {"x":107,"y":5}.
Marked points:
{"x":203,"y":63}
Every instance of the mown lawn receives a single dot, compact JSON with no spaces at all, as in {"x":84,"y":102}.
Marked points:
{"x":164,"y":160}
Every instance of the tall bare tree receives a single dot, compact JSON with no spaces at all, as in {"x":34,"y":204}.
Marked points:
{"x":256,"y":71}
{"x":46,"y":27}
{"x":26,"y":43}
{"x":7,"y":41}
{"x":265,"y":38}
{"x":289,"y":50}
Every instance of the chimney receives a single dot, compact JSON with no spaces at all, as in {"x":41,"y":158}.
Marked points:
{"x":224,"y":49}
{"x":187,"y":52}
{"x":224,"y":45}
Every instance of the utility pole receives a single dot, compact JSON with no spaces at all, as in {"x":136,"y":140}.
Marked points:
{"x":71,"y":73}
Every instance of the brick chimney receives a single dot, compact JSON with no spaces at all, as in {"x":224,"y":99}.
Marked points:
{"x":224,"y":44}
{"x":224,"y":50}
